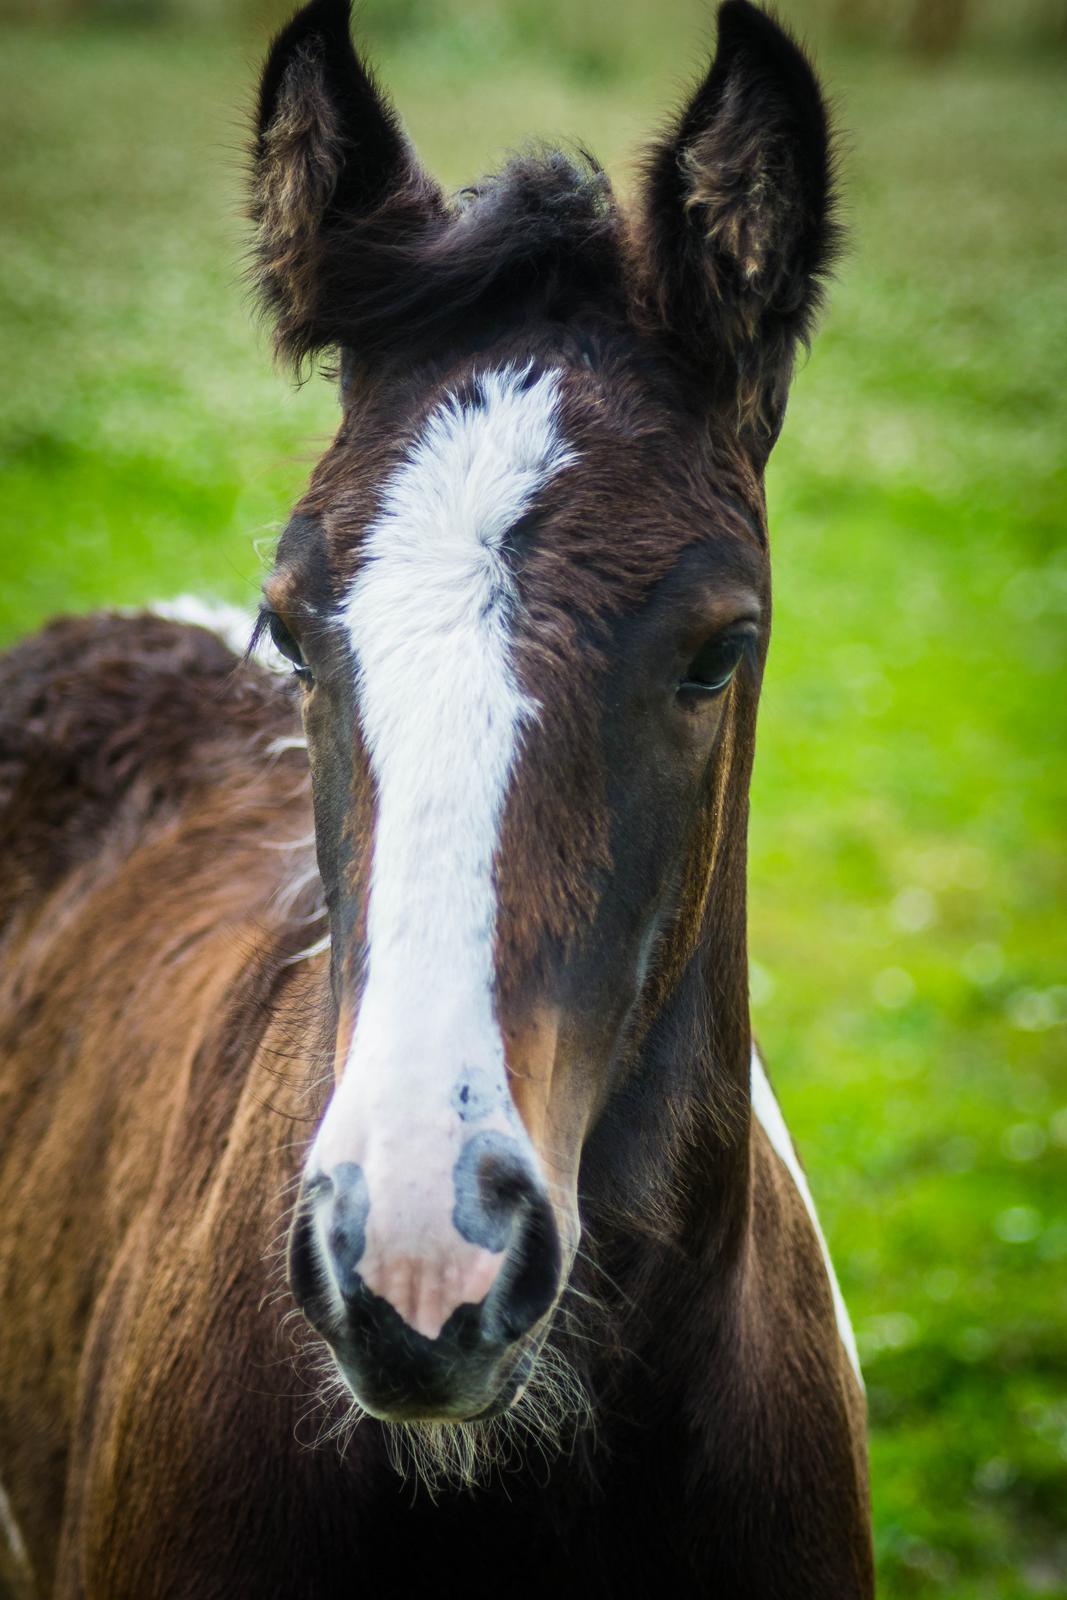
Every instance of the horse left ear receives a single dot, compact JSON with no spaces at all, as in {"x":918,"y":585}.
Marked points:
{"x":739,"y":227}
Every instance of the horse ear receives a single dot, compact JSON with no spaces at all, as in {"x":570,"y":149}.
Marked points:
{"x":739,"y":223}
{"x":329,"y":159}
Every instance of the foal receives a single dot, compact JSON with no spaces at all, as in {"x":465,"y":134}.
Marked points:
{"x":571,"y":1290}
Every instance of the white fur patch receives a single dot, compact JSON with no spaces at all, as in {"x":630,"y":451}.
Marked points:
{"x":767,"y":1109}
{"x":230,"y":623}
{"x":14,"y":1557}
{"x":428,"y":620}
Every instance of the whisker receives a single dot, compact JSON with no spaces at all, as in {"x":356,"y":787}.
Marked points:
{"x":315,"y":949}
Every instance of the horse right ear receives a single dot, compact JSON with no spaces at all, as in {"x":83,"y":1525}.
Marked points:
{"x":330,"y":162}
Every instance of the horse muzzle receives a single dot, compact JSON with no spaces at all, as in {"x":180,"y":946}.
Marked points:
{"x":428,"y":1285}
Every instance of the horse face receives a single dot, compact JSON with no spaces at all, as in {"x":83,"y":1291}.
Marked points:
{"x":526,"y":597}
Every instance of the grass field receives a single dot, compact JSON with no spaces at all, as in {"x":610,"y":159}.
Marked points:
{"x":907,"y":865}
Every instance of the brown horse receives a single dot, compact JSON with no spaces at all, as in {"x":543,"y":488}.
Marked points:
{"x":556,"y":1285}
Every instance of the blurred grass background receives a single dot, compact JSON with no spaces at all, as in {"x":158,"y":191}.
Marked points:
{"x":907,"y":866}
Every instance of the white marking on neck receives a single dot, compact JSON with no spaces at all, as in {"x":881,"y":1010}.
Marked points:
{"x":428,"y":618}
{"x":17,"y":1568}
{"x":767,"y":1109}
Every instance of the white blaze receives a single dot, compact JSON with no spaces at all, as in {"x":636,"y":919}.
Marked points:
{"x":428,"y":618}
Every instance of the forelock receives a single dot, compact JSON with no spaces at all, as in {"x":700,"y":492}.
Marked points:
{"x":540,"y":238}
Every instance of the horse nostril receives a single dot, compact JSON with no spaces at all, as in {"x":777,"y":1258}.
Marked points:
{"x":530,"y":1279}
{"x":302,"y":1268}
{"x":346,"y":1234}
{"x":501,"y":1205}
{"x":492,"y":1181}
{"x":503,"y":1185}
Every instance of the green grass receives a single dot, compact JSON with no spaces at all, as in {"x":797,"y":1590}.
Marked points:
{"x":907,"y":869}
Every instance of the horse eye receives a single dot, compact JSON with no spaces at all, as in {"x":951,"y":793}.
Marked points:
{"x":287,"y":646}
{"x":713,"y":666}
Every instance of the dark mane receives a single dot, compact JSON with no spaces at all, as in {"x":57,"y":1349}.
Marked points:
{"x":540,"y":238}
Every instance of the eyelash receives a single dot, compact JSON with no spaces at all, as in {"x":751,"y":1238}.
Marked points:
{"x":286,"y":645}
